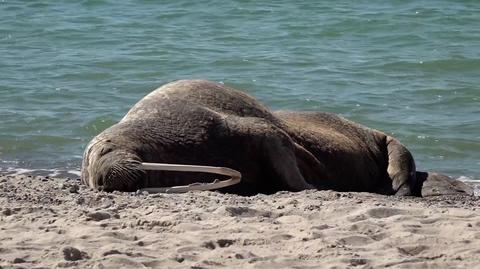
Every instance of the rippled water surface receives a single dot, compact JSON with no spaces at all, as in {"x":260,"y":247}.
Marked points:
{"x":70,"y":69}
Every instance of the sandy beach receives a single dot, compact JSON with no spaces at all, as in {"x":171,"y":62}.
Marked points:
{"x":59,"y":223}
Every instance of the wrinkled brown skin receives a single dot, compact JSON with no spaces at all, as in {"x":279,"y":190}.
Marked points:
{"x":200,"y":122}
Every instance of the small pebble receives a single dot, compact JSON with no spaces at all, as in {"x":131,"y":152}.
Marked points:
{"x":80,"y":200}
{"x":7,"y":212}
{"x":71,"y":254}
{"x":111,"y":252}
{"x":98,"y":216}
{"x":74,"y":188}
{"x":18,"y":260}
{"x":209,"y":245}
{"x":179,"y":259}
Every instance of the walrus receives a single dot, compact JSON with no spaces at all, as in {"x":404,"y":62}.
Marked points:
{"x":201,"y":122}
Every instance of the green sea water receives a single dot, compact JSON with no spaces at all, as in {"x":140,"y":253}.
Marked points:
{"x":69,"y":69}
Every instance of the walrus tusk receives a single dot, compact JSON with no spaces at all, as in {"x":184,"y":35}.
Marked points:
{"x":235,"y":177}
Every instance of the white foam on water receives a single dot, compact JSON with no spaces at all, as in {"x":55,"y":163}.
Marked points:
{"x":15,"y":171}
{"x":467,"y":179}
{"x":475,"y":183}
{"x":75,"y":172}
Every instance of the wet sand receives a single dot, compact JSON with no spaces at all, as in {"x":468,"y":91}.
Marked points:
{"x":59,"y":223}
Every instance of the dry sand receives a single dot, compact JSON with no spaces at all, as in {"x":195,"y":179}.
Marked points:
{"x":57,"y":223}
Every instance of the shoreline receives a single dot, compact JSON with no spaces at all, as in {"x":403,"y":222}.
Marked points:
{"x":59,"y":223}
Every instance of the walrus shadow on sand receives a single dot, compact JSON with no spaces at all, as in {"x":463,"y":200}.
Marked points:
{"x":200,"y":122}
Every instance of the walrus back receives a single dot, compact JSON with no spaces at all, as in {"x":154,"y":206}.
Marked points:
{"x":212,"y":95}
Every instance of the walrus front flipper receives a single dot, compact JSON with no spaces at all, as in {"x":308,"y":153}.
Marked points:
{"x":401,"y":169}
{"x":281,"y":150}
{"x":434,"y":184}
{"x":275,"y":157}
{"x":312,"y":169}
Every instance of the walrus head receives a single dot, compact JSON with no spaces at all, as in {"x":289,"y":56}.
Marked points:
{"x":109,"y":166}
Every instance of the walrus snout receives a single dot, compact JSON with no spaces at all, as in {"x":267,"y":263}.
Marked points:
{"x":117,"y":171}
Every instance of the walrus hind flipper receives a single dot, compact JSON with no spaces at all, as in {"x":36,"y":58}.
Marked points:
{"x":434,"y":184}
{"x":401,"y":169}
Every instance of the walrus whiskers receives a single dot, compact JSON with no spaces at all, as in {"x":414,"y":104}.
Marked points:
{"x":126,"y":172}
{"x":234,"y":175}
